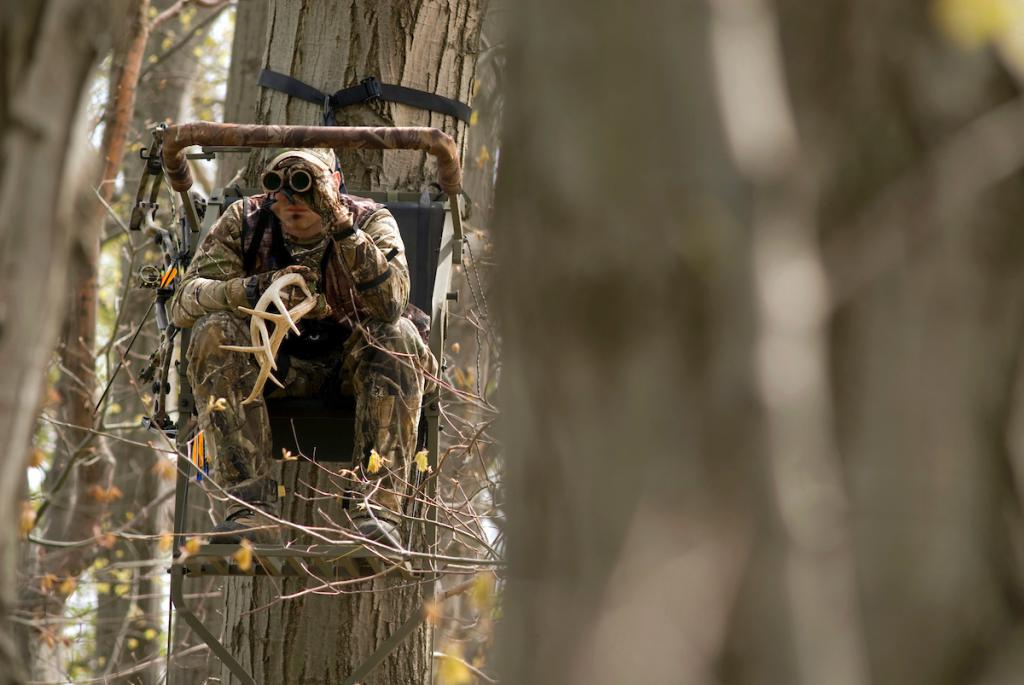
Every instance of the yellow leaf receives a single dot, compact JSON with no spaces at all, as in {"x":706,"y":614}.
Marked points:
{"x":28,"y":518}
{"x":197,"y":52}
{"x":37,"y":458}
{"x":973,"y":23}
{"x":132,"y":643}
{"x":129,"y":515}
{"x":243,"y":557}
{"x":191,"y":547}
{"x":67,"y":586}
{"x":483,"y":156}
{"x":165,"y":469}
{"x":47,"y":582}
{"x":101,"y":562}
{"x":103,"y":588}
{"x":482,"y":594}
{"x":432,"y":612}
{"x":421,"y":462}
{"x":473,"y":118}
{"x":376,"y":461}
{"x":118,"y":553}
{"x":166,"y":540}
{"x":150,"y":634}
{"x":121,"y":590}
{"x":453,"y":670}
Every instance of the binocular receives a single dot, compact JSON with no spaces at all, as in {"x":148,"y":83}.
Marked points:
{"x":296,"y":180}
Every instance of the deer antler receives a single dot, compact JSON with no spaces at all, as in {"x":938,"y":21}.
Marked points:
{"x":265,"y":344}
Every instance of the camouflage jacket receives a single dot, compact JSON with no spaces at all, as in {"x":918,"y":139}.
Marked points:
{"x":363,"y":269}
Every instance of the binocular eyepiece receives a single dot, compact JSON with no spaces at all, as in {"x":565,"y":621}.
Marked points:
{"x":296,"y":180}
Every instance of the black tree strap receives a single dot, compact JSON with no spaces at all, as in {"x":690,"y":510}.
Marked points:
{"x":367,"y":90}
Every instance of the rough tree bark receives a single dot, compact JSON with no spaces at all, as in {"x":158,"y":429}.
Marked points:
{"x":430,"y":46}
{"x":48,"y":52}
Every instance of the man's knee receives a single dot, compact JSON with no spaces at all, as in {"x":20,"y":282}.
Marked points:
{"x":207,"y":359}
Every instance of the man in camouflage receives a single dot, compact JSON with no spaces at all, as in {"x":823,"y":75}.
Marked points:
{"x":368,"y":338}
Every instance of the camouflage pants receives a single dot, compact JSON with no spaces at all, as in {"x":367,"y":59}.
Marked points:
{"x":387,"y":366}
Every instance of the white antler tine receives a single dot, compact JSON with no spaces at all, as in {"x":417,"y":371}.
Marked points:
{"x":242,"y":348}
{"x":264,"y":343}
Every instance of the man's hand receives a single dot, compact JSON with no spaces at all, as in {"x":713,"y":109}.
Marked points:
{"x":327,"y":202}
{"x":255,"y":285}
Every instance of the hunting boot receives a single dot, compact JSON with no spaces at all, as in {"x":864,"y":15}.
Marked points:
{"x":247,"y":515}
{"x":379,"y":530}
{"x":247,"y":522}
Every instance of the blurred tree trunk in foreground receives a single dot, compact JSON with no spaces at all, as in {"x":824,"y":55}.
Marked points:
{"x":917,"y":150}
{"x":633,"y":439}
{"x":735,"y":457}
{"x":48,"y":52}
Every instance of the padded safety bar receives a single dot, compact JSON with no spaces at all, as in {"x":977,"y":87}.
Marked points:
{"x":436,"y":142}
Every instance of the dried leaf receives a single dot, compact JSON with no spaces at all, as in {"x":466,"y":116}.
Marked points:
{"x":286,"y":455}
{"x":37,"y":458}
{"x":165,"y":469}
{"x":456,"y":347}
{"x":67,"y":586}
{"x":28,"y":518}
{"x":219,"y":404}
{"x":166,"y":540}
{"x":107,"y":540}
{"x":47,"y":582}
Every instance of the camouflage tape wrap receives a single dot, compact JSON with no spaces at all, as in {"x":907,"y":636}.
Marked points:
{"x":432,"y":140}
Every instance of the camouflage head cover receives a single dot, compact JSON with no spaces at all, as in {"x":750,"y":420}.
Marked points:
{"x":319,"y":157}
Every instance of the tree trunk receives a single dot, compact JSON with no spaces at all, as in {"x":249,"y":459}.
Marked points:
{"x":129,"y":615}
{"x":247,"y":51}
{"x":917,"y":157}
{"x":631,"y":423}
{"x":48,"y":52}
{"x":316,"y":638}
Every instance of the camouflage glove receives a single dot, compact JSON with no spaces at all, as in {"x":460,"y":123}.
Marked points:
{"x":326,"y":201}
{"x":255,"y":286}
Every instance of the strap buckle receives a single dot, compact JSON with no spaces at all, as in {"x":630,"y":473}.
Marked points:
{"x":372,"y":87}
